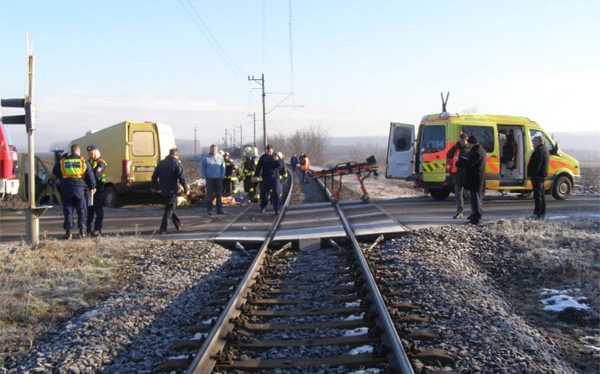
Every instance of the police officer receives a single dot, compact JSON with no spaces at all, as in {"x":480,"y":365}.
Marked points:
{"x":268,"y":169}
{"x":96,"y":210}
{"x":76,"y":176}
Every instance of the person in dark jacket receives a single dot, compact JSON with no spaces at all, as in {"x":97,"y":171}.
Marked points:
{"x":268,"y":169}
{"x":171,"y":177}
{"x":537,"y":170}
{"x":76,"y":176}
{"x":474,"y":163}
{"x":294,"y":162}
{"x":95,"y":212}
{"x":457,"y":174}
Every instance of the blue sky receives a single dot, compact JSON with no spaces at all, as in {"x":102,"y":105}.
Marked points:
{"x":348,"y":67}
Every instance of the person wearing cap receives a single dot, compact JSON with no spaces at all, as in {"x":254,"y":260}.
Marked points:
{"x":474,"y":163}
{"x":95,"y":211}
{"x":537,"y":171}
{"x":76,"y":176}
{"x":169,"y":176}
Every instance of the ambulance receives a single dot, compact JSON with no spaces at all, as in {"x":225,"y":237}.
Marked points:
{"x":505,"y":138}
{"x":131,"y":150}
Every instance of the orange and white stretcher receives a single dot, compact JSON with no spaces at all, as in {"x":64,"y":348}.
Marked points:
{"x":362,"y":171}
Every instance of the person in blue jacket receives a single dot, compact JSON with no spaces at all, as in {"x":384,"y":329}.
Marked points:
{"x":171,"y":178}
{"x":212,"y":169}
{"x":76,"y":177}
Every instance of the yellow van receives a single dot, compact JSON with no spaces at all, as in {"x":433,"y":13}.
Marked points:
{"x":506,"y":139}
{"x":131,"y":150}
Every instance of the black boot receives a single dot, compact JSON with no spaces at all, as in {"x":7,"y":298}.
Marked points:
{"x":68,"y":235}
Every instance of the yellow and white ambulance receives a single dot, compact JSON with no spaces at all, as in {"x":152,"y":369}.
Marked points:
{"x":505,"y":138}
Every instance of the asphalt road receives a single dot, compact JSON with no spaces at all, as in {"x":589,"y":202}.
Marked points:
{"x":414,"y":213}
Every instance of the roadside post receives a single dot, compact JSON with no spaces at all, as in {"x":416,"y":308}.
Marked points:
{"x":32,"y":224}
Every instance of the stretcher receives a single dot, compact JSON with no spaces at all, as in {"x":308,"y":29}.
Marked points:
{"x":362,"y":171}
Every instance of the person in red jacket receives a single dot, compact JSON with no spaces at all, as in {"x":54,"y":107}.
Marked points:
{"x":457,"y":174}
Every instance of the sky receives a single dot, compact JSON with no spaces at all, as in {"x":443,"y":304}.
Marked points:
{"x":343,"y":67}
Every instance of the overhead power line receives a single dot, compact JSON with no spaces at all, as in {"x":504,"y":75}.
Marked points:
{"x":235,"y":68}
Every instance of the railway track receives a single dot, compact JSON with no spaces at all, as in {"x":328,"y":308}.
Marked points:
{"x":306,"y":301}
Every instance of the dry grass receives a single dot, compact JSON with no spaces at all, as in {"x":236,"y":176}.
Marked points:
{"x":43,"y":285}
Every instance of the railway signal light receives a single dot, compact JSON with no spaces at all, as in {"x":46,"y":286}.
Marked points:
{"x":27,"y":119}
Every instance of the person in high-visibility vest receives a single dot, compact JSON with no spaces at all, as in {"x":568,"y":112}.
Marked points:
{"x":457,"y":174}
{"x":76,"y":175}
{"x":95,"y":212}
{"x":304,"y":167}
{"x":230,"y":179}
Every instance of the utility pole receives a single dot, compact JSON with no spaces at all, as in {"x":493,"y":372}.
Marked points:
{"x":225,"y":142}
{"x":195,"y":153}
{"x":262,"y":84}
{"x":241,"y":143}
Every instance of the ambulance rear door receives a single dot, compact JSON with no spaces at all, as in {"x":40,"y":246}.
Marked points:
{"x":400,"y":159}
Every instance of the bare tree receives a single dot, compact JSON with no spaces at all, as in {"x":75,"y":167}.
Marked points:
{"x":311,"y":141}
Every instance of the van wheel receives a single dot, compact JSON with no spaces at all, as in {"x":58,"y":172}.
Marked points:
{"x":110,"y":197}
{"x":439,"y":194}
{"x":561,"y":188}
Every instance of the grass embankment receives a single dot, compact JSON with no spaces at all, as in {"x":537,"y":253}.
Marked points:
{"x":43,"y":285}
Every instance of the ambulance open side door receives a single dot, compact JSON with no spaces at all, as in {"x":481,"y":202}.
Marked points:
{"x":400,"y":159}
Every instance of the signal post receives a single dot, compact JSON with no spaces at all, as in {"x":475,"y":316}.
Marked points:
{"x":32,"y":224}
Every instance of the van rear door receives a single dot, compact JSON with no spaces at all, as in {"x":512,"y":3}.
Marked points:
{"x":400,"y":159}
{"x":143,"y":150}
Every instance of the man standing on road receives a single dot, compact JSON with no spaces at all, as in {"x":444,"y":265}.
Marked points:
{"x":170,"y":176}
{"x":212,"y":169}
{"x":268,"y":169}
{"x":457,"y":174}
{"x":76,"y":176}
{"x":95,"y":212}
{"x":474,"y":162}
{"x":537,"y":170}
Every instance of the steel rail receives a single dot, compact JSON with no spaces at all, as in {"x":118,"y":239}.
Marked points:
{"x":399,"y":360}
{"x":204,"y":360}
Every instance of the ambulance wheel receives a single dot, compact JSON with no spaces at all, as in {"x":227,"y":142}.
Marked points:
{"x":439,"y":194}
{"x":561,"y":188}
{"x":110,"y":197}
